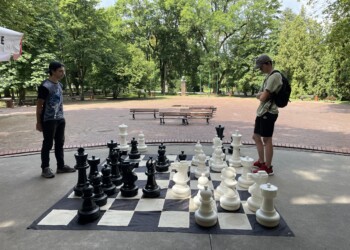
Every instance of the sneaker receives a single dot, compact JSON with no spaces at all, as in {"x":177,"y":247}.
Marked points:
{"x":268,"y":170}
{"x":258,"y":164}
{"x":65,"y":169}
{"x":47,"y":173}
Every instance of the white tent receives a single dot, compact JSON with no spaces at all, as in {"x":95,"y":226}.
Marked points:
{"x":10,"y":44}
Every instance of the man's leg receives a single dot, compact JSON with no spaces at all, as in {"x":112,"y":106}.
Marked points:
{"x":48,"y":134}
{"x":59,"y":142}
{"x":268,"y":150}
{"x":260,"y":147}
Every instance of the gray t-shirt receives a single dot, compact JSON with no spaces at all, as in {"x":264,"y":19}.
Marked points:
{"x":273,"y":84}
{"x":53,"y":95}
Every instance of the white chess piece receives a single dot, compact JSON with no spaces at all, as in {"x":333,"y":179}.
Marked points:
{"x":202,"y":167}
{"x":206,"y":216}
{"x":235,"y":160}
{"x":217,"y":163}
{"x":142,"y":147}
{"x":181,"y":188}
{"x":123,"y":133}
{"x":228,"y":180}
{"x":255,"y":200}
{"x":202,"y":182}
{"x":198,"y":149}
{"x":230,"y":200}
{"x":244,"y":181}
{"x":267,"y":215}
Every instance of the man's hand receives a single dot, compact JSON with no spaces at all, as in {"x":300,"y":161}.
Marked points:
{"x":39,"y":127}
{"x":258,"y":95}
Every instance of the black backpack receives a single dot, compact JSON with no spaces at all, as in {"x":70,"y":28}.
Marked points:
{"x":281,"y":98}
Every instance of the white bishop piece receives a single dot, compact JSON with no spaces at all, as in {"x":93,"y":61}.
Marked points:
{"x":203,"y":181}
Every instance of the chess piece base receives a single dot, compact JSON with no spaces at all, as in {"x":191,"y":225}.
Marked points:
{"x":148,"y":193}
{"x":129,"y":192}
{"x":267,"y":219}
{"x":90,"y":216}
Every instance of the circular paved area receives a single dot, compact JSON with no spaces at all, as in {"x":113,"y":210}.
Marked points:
{"x":302,"y":124}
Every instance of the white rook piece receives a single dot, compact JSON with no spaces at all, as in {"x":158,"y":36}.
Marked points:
{"x":123,"y":133}
{"x":206,"y":216}
{"x":267,"y":215}
{"x":255,"y":200}
{"x":245,"y":180}
{"x":235,"y":160}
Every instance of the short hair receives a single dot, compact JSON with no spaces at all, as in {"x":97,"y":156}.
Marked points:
{"x":54,"y":66}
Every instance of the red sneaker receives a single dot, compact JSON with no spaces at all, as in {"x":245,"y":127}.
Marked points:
{"x":268,"y":170}
{"x":258,"y":164}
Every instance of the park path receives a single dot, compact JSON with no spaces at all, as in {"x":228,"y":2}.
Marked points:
{"x":302,"y":124}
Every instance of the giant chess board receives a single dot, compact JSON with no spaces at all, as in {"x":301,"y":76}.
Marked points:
{"x":162,"y":214}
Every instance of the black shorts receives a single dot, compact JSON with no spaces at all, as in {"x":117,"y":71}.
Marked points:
{"x":265,"y":124}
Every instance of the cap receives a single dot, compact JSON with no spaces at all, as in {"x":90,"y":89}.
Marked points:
{"x":261,"y":60}
{"x":54,"y":66}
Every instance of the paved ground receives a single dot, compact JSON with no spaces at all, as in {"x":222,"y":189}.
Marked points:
{"x":302,"y":124}
{"x":313,"y":195}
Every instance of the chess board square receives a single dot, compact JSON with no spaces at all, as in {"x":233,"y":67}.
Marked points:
{"x":194,"y":183}
{"x":243,"y":194}
{"x":172,"y":157}
{"x":73,"y":196}
{"x":58,"y":217}
{"x":108,"y":204}
{"x":116,"y":218}
{"x":176,"y":205}
{"x":162,"y":176}
{"x":124,"y":204}
{"x":138,"y":196}
{"x":151,"y":204}
{"x":163,"y":183}
{"x":141,"y":175}
{"x":215,"y":176}
{"x":246,"y":209}
{"x":174,"y":219}
{"x":234,"y":221}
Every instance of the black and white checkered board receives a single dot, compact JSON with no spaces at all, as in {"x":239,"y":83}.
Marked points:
{"x":162,"y":214}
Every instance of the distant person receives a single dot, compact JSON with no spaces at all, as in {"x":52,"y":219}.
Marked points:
{"x":266,"y":114}
{"x":50,"y":120}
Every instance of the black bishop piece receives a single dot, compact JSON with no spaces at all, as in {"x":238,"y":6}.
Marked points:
{"x":151,"y":190}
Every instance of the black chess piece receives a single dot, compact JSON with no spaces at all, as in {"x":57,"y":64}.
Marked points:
{"x":128,"y":189}
{"x":134,"y":152}
{"x":81,"y":166}
{"x":100,"y":197}
{"x":162,"y":163}
{"x":89,"y":211}
{"x":151,"y":190}
{"x":111,"y":145}
{"x":230,"y":149}
{"x":182,"y":156}
{"x":93,"y":163}
{"x":220,"y":131}
{"x":108,"y":187}
{"x":116,"y":177}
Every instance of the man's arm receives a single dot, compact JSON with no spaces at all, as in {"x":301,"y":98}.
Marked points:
{"x":39,"y":111}
{"x":263,"y":96}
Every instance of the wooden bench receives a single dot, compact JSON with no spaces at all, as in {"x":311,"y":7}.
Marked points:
{"x":174,"y":115}
{"x":198,"y":108}
{"x":201,"y":115}
{"x":144,"y":111}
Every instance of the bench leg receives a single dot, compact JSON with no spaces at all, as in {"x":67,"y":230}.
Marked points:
{"x":133,"y":116}
{"x":154,"y":114}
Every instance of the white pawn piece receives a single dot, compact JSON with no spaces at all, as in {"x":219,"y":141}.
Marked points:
{"x":123,"y":133}
{"x":202,"y":168}
{"x":202,"y":182}
{"x":216,"y":142}
{"x":228,"y":180}
{"x":267,"y":215}
{"x":206,"y":216}
{"x":142,"y":147}
{"x":255,"y":200}
{"x":181,"y":189}
{"x":235,"y":160}
{"x":217,"y":162}
{"x":198,"y":149}
{"x":230,"y":201}
{"x":244,"y":181}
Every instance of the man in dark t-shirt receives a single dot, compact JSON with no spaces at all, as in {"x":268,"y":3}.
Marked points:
{"x":50,"y":120}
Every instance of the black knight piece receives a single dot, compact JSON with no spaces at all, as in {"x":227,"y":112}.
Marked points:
{"x":129,"y":189}
{"x":115,"y":168}
{"x":100,"y":197}
{"x":89,"y":211}
{"x":93,"y":163}
{"x":162,"y":163}
{"x":108,"y":187}
{"x":134,"y":152}
{"x":220,"y":131}
{"x":81,"y":166}
{"x":151,"y":190}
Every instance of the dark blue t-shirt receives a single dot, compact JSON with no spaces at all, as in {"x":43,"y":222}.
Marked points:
{"x":53,"y":95}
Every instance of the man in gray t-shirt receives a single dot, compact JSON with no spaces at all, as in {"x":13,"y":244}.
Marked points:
{"x":50,"y":120}
{"x":266,"y":114}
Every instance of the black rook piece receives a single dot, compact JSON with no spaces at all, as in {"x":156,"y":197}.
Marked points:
{"x":151,"y":190}
{"x":162,"y":163}
{"x":81,"y":166}
{"x":115,"y":172}
{"x":134,"y":152}
{"x":100,"y":197}
{"x":93,"y":163}
{"x":129,"y":189}
{"x":111,"y":145}
{"x":108,"y":187}
{"x":89,"y":210}
{"x":220,"y":131}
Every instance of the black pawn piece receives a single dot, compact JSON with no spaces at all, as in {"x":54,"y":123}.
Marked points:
{"x":162,"y":163}
{"x":81,"y":166}
{"x":220,"y":131}
{"x":182,"y":156}
{"x":93,"y":163}
{"x":89,"y":211}
{"x":116,"y":177}
{"x":129,"y":189}
{"x":108,"y":187}
{"x":111,"y":145}
{"x":134,"y":152}
{"x":151,"y":190}
{"x":100,"y":197}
